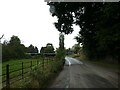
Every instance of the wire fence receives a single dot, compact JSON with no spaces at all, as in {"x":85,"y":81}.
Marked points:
{"x":16,"y":72}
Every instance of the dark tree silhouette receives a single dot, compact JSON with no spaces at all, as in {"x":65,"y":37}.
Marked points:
{"x":99,"y":26}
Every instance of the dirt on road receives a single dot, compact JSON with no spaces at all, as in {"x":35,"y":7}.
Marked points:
{"x":85,"y":75}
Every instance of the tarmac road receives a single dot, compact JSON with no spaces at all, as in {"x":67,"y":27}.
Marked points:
{"x":78,"y":74}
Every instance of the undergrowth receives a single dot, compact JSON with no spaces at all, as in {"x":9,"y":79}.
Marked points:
{"x":41,"y":77}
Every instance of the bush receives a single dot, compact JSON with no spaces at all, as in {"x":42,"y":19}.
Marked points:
{"x":40,"y":77}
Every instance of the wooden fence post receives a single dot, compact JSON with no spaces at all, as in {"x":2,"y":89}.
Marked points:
{"x":43,"y":64}
{"x":31,"y":65}
{"x":22,"y":70}
{"x":47,"y":60}
{"x":7,"y":76}
{"x":37,"y":62}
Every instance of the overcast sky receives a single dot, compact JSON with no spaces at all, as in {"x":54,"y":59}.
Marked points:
{"x":31,"y":21}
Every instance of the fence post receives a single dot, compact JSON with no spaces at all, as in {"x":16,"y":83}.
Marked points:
{"x":7,"y":76}
{"x":47,"y":62}
{"x":37,"y":62}
{"x":31,"y":65}
{"x":43,"y":65}
{"x":22,"y":70}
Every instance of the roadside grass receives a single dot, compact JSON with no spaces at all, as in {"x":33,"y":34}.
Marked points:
{"x":42,"y":77}
{"x":103,"y":63}
{"x":99,"y":62}
{"x":39,"y":76}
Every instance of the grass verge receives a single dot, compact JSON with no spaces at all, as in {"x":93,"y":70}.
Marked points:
{"x":41,"y":78}
{"x":100,"y":62}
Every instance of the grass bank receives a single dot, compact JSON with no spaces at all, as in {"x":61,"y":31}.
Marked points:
{"x":41,"y":78}
{"x":99,"y":62}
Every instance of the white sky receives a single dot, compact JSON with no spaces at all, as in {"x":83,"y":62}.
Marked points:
{"x":31,"y":21}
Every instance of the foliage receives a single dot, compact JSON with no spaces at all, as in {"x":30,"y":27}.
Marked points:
{"x":32,"y":49}
{"x":14,"y":41}
{"x":15,"y":68}
{"x":13,"y":49}
{"x":99,"y":26}
{"x":76,"y":48}
{"x":69,"y":51}
{"x":41,"y":77}
{"x":48,"y":49}
{"x":60,"y":54}
{"x":61,"y":41}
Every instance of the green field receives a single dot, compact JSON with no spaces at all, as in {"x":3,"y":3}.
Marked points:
{"x":29,"y":75}
{"x":17,"y":64}
{"x":15,"y":68}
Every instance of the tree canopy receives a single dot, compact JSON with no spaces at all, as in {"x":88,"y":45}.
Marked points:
{"x":13,"y":49}
{"x":32,"y":49}
{"x":99,"y":26}
{"x":48,"y":49}
{"x":61,"y":41}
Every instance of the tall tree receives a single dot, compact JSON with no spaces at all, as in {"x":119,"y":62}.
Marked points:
{"x":36,"y":50}
{"x":31,"y":49}
{"x":13,"y":49}
{"x":99,"y":25}
{"x":76,"y":48}
{"x":42,"y":50}
{"x":61,"y":41}
{"x":48,"y":49}
{"x":14,"y":41}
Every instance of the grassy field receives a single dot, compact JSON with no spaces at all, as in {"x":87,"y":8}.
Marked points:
{"x":36,"y":77}
{"x":12,"y":62}
{"x":17,"y":64}
{"x":15,"y":68}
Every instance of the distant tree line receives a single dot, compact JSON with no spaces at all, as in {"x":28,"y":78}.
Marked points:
{"x":13,"y":49}
{"x":99,"y":26}
{"x":75,"y":49}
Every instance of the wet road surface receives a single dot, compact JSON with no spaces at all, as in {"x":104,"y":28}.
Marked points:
{"x":78,"y":74}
